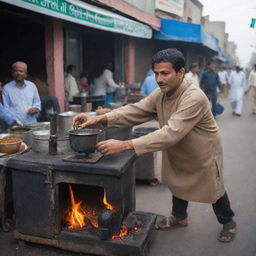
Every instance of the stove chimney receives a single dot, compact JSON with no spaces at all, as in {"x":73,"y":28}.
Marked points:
{"x":53,"y":134}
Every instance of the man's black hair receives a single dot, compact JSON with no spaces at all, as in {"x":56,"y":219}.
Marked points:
{"x":171,"y":55}
{"x":70,"y":67}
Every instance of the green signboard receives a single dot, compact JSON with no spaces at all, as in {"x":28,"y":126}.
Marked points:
{"x":82,"y":13}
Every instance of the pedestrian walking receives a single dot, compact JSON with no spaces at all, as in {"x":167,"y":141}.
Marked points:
{"x":238,"y":87}
{"x":20,"y":96}
{"x":210,"y":83}
{"x":252,"y":85}
{"x":192,"y":76}
{"x":223,"y":76}
{"x":186,"y":126}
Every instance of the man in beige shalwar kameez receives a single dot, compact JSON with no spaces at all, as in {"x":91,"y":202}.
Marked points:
{"x":189,"y":139}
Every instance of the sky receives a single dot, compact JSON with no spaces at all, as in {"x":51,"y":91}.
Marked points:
{"x":237,"y":14}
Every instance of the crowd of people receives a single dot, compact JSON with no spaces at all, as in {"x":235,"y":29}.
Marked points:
{"x":216,"y":85}
{"x":21,"y":102}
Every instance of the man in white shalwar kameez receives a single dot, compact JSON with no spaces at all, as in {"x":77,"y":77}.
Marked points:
{"x":238,"y":86}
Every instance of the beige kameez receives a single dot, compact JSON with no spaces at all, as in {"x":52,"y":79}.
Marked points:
{"x":188,"y":137}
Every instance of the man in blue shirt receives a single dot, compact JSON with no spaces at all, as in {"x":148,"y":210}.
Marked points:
{"x":209,"y":83}
{"x":149,"y":84}
{"x":20,"y":96}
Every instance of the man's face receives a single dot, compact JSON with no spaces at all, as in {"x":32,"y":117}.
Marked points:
{"x":73,"y":72}
{"x":195,"y":69}
{"x":19,"y":72}
{"x":166,"y":76}
{"x":212,"y":67}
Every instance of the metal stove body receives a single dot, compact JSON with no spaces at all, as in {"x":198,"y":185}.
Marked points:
{"x":40,"y":188}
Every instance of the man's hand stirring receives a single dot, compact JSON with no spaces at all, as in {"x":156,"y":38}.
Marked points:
{"x":84,"y":120}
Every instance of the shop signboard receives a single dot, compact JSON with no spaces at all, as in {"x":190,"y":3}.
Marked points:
{"x":85,"y":14}
{"x":171,"y":6}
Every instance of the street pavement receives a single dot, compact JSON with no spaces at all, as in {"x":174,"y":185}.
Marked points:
{"x":199,"y":238}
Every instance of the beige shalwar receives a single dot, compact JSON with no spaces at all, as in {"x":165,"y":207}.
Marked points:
{"x":189,"y":139}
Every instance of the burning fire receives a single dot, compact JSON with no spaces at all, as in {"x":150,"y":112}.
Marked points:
{"x":79,"y":216}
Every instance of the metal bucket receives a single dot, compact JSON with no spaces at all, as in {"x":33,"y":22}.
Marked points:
{"x":64,"y":123}
{"x":40,"y":142}
{"x":144,"y":167}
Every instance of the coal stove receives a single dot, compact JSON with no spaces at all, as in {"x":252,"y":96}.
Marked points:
{"x":79,"y":206}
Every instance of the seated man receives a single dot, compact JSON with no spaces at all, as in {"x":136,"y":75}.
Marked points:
{"x":20,"y":96}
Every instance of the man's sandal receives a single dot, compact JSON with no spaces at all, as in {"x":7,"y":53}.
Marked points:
{"x":167,"y":223}
{"x":228,"y":232}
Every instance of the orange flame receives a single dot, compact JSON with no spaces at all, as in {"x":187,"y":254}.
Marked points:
{"x":105,"y":202}
{"x":79,"y":217}
{"x":77,"y":214}
{"x":124,"y":231}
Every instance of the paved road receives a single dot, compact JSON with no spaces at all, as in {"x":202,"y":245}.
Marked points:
{"x":199,"y":238}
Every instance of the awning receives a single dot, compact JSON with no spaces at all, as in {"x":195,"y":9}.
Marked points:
{"x":173,"y":30}
{"x":85,"y":14}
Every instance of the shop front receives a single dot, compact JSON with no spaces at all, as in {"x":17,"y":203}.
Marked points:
{"x":74,"y":32}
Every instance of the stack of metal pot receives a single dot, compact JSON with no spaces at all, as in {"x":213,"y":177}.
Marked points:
{"x":40,"y":137}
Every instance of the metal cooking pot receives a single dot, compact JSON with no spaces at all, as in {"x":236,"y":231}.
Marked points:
{"x":84,"y":140}
{"x":40,"y":142}
{"x":39,"y":126}
{"x":23,"y":133}
{"x":65,"y":122}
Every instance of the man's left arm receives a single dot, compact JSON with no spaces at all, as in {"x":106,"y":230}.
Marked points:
{"x":36,"y":104}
